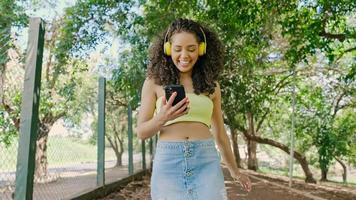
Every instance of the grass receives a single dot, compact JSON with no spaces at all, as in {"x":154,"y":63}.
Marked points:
{"x":72,"y":150}
{"x":278,"y":171}
{"x":8,"y":157}
{"x":60,"y":151}
{"x":285,"y":172}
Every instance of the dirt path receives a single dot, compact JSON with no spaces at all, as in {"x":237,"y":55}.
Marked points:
{"x":264,"y":188}
{"x":261,"y":190}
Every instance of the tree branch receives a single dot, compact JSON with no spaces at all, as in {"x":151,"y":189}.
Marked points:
{"x":336,"y":107}
{"x":350,"y":49}
{"x":281,"y":146}
{"x":116,"y":102}
{"x":340,"y":37}
{"x":259,"y":124}
{"x":344,"y":52}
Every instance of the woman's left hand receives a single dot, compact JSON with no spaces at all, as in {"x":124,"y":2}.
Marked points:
{"x":243,"y":179}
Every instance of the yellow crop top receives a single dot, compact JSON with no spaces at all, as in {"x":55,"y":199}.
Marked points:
{"x":200,"y":110}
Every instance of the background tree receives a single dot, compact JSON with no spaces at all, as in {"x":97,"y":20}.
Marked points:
{"x":58,"y":96}
{"x":99,"y":21}
{"x":345,"y":127}
{"x":12,"y":16}
{"x":321,"y":99}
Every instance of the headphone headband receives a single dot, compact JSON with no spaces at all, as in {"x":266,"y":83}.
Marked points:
{"x":203,"y":35}
{"x":169,"y":28}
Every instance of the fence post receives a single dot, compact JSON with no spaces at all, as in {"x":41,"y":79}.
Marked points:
{"x":101,"y":133}
{"x":292,"y":131}
{"x":25,"y":166}
{"x":130,"y":139}
{"x":150,"y":144}
{"x":143,"y":145}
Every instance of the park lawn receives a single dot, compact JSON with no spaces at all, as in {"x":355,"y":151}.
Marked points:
{"x":298,"y":175}
{"x":61,"y":151}
{"x":64,"y":151}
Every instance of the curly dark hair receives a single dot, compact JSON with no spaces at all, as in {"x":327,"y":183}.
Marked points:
{"x":207,"y":68}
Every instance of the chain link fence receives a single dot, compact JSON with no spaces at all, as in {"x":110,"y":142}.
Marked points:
{"x":11,"y":84}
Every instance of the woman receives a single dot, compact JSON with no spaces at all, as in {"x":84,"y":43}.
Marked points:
{"x":186,"y":163}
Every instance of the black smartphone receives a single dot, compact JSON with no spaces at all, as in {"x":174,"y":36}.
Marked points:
{"x":169,"y":89}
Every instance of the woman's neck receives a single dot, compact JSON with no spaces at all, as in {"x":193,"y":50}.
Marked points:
{"x":187,"y":81}
{"x":185,"y":78}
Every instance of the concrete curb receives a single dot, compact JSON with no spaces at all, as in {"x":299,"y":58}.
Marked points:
{"x":103,"y":191}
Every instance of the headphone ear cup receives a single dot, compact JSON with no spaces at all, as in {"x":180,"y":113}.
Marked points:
{"x":202,"y":48}
{"x":167,"y":48}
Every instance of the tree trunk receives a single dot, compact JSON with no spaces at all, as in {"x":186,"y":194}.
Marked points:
{"x":118,"y":158}
{"x":117,"y":148}
{"x":344,"y":173}
{"x":120,"y":151}
{"x":235,"y":147}
{"x":252,"y":158}
{"x":324,"y":175}
{"x":301,"y":158}
{"x":121,"y":142}
{"x":41,"y":162}
{"x":305,"y":166}
{"x":251,"y":145}
{"x":41,"y":153}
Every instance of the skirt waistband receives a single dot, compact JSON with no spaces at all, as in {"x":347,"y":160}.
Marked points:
{"x":191,"y":143}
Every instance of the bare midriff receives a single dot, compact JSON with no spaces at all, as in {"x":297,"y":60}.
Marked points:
{"x":185,"y":131}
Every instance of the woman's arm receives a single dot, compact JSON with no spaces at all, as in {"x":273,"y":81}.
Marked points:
{"x":223,"y":141}
{"x":147,"y":124}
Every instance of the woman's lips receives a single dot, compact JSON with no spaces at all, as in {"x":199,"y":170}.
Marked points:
{"x":184,"y":63}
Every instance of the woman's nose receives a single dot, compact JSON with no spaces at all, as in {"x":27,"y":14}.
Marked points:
{"x":184,"y":54}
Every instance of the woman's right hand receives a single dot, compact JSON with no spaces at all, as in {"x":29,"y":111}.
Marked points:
{"x":169,"y":112}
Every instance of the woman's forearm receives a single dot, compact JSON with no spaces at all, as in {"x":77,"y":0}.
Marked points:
{"x":226,"y":153}
{"x":149,"y":128}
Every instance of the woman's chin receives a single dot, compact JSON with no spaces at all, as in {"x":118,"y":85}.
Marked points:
{"x":185,"y":69}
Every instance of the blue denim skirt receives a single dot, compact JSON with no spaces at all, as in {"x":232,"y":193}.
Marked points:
{"x":187,"y":170}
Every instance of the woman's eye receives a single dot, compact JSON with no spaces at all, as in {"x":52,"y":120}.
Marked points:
{"x":179,"y":50}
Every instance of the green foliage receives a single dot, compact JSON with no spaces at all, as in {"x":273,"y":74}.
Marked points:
{"x":11,"y":15}
{"x":316,"y":25}
{"x":8,"y":128}
{"x":345,"y":128}
{"x":128,"y":78}
{"x":316,"y":120}
{"x":84,"y":31}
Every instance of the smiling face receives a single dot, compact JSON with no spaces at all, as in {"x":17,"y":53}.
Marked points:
{"x":184,"y":51}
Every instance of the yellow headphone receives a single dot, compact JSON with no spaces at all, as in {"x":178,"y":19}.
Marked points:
{"x":167,"y":48}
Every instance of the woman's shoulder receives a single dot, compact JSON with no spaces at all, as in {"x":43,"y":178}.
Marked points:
{"x":150,"y":86}
{"x":151,"y":82}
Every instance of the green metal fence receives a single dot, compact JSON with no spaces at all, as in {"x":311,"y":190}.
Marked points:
{"x":58,"y":159}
